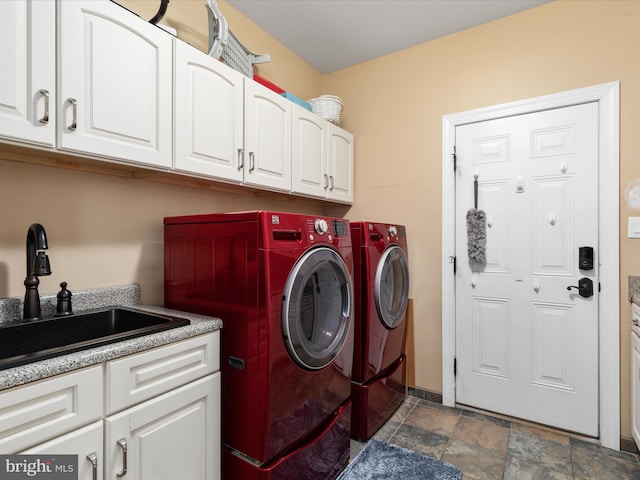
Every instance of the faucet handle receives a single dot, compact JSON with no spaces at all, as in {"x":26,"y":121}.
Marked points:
{"x":63,"y":306}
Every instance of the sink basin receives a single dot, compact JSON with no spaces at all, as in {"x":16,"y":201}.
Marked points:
{"x":26,"y":342}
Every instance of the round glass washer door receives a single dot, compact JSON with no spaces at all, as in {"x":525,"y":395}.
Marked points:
{"x":392,"y":286}
{"x":316,"y":308}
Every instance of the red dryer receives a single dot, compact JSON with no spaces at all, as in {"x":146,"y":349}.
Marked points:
{"x":381,"y":284}
{"x":281,"y":283}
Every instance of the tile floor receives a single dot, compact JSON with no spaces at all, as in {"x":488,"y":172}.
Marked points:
{"x":490,"y":448}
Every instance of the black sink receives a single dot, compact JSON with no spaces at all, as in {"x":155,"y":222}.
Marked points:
{"x":26,"y":342}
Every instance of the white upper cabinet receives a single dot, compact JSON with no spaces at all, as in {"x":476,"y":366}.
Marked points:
{"x":339,"y":164}
{"x":115,"y":84}
{"x":309,"y":164}
{"x":267,"y":138}
{"x":209,"y":116}
{"x":322,"y":158}
{"x":27,"y":82}
{"x":89,"y":78}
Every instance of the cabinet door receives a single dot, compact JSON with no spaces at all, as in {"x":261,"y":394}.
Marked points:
{"x":309,"y":153}
{"x":340,"y":164}
{"x":27,"y":83}
{"x":115,"y":83}
{"x":267,"y":138}
{"x":208,"y":115}
{"x":85,"y":442}
{"x":635,"y":388}
{"x":173,"y":436}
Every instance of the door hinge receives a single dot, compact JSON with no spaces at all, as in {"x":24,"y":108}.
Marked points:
{"x":455,"y":158}
{"x":455,"y":367}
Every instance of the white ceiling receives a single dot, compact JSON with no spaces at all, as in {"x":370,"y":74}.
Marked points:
{"x":335,"y":34}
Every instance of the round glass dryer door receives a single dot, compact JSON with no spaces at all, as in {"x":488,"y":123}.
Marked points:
{"x":316,"y":308}
{"x":392,"y":286}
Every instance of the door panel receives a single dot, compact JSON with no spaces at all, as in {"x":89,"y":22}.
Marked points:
{"x":493,"y":196}
{"x":490,"y":336}
{"x":526,"y":346}
{"x":553,"y":220}
{"x":553,"y":352}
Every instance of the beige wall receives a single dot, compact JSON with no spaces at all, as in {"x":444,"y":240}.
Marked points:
{"x":190,"y":19}
{"x":394,"y":106}
{"x":107,"y":230}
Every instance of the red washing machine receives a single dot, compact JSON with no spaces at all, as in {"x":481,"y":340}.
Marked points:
{"x":281,"y":283}
{"x":381,"y":285}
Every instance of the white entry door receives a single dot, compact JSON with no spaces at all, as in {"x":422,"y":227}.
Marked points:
{"x":526,"y":343}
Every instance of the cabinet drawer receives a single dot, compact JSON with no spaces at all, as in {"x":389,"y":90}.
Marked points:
{"x":46,"y":409}
{"x":142,"y":376}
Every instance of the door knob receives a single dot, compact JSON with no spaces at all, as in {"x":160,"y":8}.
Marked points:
{"x":585,"y":287}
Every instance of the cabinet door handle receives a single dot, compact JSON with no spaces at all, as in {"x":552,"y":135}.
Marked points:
{"x":45,"y":117}
{"x":93,"y":458}
{"x":252,"y":161}
{"x":332,"y":182}
{"x":240,"y":159}
{"x":74,"y":112}
{"x":123,"y":445}
{"x":326,"y":181}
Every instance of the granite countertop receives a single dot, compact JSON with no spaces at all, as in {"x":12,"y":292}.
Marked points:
{"x":127,"y":295}
{"x":634,"y":290}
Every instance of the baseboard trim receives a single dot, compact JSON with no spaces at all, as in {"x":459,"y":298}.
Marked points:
{"x":423,"y":394}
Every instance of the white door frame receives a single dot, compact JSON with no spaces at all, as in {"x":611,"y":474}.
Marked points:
{"x":608,"y":97}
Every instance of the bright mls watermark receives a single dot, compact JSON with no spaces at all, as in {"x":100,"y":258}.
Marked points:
{"x":39,"y":467}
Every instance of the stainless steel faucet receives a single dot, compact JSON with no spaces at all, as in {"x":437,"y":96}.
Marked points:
{"x":37,"y":266}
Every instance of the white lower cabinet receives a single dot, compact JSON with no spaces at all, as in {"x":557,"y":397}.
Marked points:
{"x":85,"y":442}
{"x":635,"y":387}
{"x":43,"y":410}
{"x":150,"y":416}
{"x":173,"y":436}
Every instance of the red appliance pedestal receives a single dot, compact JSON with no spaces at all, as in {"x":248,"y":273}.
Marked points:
{"x":378,"y":400}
